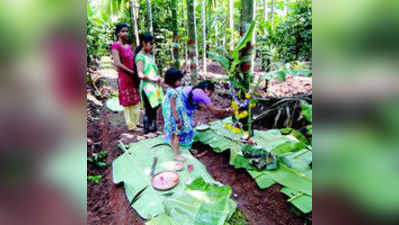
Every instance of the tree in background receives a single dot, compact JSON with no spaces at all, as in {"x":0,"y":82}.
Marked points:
{"x":231,"y":23}
{"x":253,"y":40}
{"x":175,"y":34}
{"x":272,"y":12}
{"x":134,"y":15}
{"x":185,"y":22}
{"x":203,"y":35}
{"x":265,"y":14}
{"x":151,"y":29}
{"x":192,"y":41}
{"x":293,"y":37}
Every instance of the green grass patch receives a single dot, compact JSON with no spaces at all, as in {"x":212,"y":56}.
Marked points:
{"x":238,"y":218}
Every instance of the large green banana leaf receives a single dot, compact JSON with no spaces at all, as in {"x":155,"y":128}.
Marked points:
{"x":263,"y":180}
{"x":307,"y":111}
{"x":223,"y":61}
{"x":294,"y":171}
{"x":113,"y":104}
{"x":201,"y":203}
{"x":133,"y":170}
{"x":285,"y":176}
{"x":301,"y":201}
{"x":162,"y":220}
{"x":217,"y":142}
{"x":298,"y":160}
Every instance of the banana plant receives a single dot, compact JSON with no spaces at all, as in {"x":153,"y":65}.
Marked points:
{"x":242,"y":102}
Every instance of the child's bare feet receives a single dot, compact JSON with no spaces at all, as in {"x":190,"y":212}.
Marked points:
{"x":180,"y":158}
{"x":179,"y":166}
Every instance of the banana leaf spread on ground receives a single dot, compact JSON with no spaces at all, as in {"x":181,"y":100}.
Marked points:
{"x":133,"y":168}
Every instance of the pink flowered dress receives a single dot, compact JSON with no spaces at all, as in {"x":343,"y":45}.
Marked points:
{"x":128,"y":88}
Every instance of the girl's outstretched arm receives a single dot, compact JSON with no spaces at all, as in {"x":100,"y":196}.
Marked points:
{"x":215,"y":110}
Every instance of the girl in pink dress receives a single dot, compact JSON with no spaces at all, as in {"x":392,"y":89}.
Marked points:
{"x":128,"y":82}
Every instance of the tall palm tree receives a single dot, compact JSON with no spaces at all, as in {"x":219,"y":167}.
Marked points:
{"x":134,"y":16}
{"x":265,"y":13}
{"x":109,"y":8}
{"x":203,"y":36}
{"x":149,"y":15}
{"x":185,"y":22}
{"x":272,"y":12}
{"x":253,"y":39}
{"x":192,"y":40}
{"x":231,"y":23}
{"x":175,"y":34}
{"x":286,"y":2}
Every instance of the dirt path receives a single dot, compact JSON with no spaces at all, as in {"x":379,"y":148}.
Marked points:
{"x":107,"y":203}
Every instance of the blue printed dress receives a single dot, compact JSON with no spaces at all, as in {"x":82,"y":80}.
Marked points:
{"x":186,"y":132}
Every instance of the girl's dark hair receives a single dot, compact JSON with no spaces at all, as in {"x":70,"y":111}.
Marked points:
{"x":119,"y":27}
{"x":204,"y":85}
{"x":172,"y":75}
{"x":147,"y":38}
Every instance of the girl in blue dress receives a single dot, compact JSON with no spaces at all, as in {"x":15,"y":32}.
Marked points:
{"x":178,"y":127}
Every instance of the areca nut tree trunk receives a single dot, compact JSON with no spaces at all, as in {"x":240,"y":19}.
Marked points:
{"x":134,"y":17}
{"x":150,"y":16}
{"x":231,"y":23}
{"x":217,"y":33}
{"x":265,"y":13}
{"x":272,"y":12}
{"x":224,"y":15}
{"x":185,"y":22}
{"x":203,"y":36}
{"x":286,"y":2}
{"x":175,"y":35}
{"x":253,"y":38}
{"x":192,"y":41}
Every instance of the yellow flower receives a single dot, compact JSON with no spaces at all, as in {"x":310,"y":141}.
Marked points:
{"x":246,"y":132}
{"x":236,"y":113}
{"x":248,"y":95}
{"x":234,"y":105}
{"x":236,"y":130}
{"x":252,"y":105}
{"x":228,"y":126}
{"x":243,"y":114}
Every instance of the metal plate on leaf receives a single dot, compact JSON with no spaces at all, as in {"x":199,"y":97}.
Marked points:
{"x":173,"y":165}
{"x":202,"y":127}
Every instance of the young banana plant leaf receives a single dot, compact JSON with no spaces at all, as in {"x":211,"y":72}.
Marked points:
{"x":307,"y":111}
{"x":113,"y":105}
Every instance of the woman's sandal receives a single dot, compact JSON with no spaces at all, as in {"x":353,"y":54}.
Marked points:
{"x":150,"y":135}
